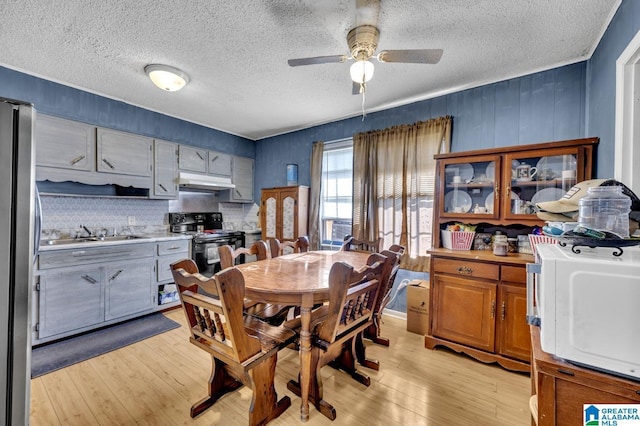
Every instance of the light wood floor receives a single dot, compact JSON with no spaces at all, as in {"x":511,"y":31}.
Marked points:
{"x":155,"y":381}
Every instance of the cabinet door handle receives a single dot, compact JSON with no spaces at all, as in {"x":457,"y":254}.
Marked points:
{"x":464,"y":270}
{"x":503,"y":310}
{"x":238,"y":193}
{"x":105,"y":161}
{"x":77,"y":159}
{"x":114,"y":276}
{"x":214,"y":158}
{"x":90,"y":279}
{"x":493,"y":309}
{"x":199,"y":155}
{"x":162,"y":187}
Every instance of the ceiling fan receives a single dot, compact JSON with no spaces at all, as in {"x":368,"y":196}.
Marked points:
{"x":363,"y":42}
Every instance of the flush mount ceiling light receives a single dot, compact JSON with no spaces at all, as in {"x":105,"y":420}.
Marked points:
{"x":166,"y":77}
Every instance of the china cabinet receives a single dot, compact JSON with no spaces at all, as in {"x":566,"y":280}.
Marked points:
{"x":478,"y":306}
{"x":283,"y":212}
{"x":478,"y":299}
{"x":501,"y":186}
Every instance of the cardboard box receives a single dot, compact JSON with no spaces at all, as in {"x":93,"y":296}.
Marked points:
{"x":418,"y":306}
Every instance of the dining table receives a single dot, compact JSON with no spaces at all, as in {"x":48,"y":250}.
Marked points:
{"x":297,"y":279}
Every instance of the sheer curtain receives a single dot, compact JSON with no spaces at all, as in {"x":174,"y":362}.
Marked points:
{"x":394,"y":183}
{"x":314,"y":197}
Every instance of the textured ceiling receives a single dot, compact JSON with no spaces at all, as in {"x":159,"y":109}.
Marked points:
{"x":236,"y":52}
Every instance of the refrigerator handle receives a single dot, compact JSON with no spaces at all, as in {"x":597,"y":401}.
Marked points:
{"x":38,"y":223}
{"x":533,"y":270}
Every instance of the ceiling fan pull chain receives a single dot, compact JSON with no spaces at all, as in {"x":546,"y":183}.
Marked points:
{"x":362,"y":90}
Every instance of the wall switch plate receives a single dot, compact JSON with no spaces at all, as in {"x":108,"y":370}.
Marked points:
{"x":131,"y":220}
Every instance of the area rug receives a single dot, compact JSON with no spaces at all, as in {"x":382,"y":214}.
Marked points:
{"x":51,"y":357}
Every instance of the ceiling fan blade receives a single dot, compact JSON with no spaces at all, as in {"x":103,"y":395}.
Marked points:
{"x":317,"y":60}
{"x":411,"y":56}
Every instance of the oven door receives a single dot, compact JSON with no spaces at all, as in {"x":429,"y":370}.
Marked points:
{"x":206,"y":256}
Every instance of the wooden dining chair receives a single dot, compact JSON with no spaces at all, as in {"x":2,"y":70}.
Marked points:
{"x":243,"y":349}
{"x":373,"y":331}
{"x":299,"y":245}
{"x":352,"y":296}
{"x":351,"y":243}
{"x":272,"y":313}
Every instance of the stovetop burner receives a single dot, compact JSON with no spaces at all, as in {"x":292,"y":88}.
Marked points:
{"x":200,"y":225}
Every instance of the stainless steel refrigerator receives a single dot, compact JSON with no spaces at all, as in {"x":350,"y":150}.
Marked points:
{"x":18,"y":218}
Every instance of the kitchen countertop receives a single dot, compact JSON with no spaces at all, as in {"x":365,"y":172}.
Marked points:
{"x":138,"y":239}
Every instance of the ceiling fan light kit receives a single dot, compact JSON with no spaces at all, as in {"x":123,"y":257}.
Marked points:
{"x":166,"y":77}
{"x":361,"y":71}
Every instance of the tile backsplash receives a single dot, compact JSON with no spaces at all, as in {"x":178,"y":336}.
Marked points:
{"x":66,"y":214}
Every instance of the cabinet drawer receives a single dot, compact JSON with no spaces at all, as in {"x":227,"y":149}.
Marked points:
{"x":58,"y":258}
{"x":466,"y":268}
{"x":171,"y":247}
{"x":163,"y":268}
{"x":514,"y":274}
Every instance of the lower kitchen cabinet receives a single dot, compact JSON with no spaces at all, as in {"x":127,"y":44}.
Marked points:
{"x":69,"y":300}
{"x":478,"y":306}
{"x":77,"y":290}
{"x":128,"y":289}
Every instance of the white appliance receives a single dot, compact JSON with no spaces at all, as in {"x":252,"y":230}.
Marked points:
{"x":587,"y":304}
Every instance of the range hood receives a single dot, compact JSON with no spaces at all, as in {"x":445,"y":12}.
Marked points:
{"x":194,"y":181}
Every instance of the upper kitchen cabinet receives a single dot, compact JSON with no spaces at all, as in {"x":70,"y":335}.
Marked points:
{"x":192,"y":159}
{"x":219,"y":164}
{"x":124,"y":153}
{"x":242,"y":178}
{"x":65,"y":144}
{"x":501,"y":186}
{"x":165,"y":172}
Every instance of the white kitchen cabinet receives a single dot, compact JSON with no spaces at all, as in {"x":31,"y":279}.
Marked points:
{"x":219,"y":164}
{"x":124,"y":153}
{"x":64,"y":144}
{"x":128,"y":288}
{"x":70,"y":299}
{"x":192,"y":159}
{"x":167,"y":253}
{"x":242,"y":178}
{"x":165,"y":171}
{"x":81,"y":289}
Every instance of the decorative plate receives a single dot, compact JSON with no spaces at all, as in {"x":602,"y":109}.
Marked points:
{"x":457,"y":198}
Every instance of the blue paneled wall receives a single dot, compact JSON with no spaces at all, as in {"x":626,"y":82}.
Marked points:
{"x":601,"y":82}
{"x":541,"y":107}
{"x":66,"y":102}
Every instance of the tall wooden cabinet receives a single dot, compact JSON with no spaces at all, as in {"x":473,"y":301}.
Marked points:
{"x":478,"y":300}
{"x":284,"y":212}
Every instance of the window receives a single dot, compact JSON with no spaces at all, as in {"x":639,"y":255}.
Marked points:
{"x":337,"y":188}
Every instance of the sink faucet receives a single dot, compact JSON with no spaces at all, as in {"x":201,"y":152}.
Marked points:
{"x":87,"y":230}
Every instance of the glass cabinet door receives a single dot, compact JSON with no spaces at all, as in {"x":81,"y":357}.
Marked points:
{"x":535,"y":177}
{"x":470,"y":188}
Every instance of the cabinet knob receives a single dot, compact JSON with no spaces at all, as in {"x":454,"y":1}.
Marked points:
{"x":464,"y":270}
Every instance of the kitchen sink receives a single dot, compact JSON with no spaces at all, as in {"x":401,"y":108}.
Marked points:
{"x":65,"y":241}
{"x":117,"y":238}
